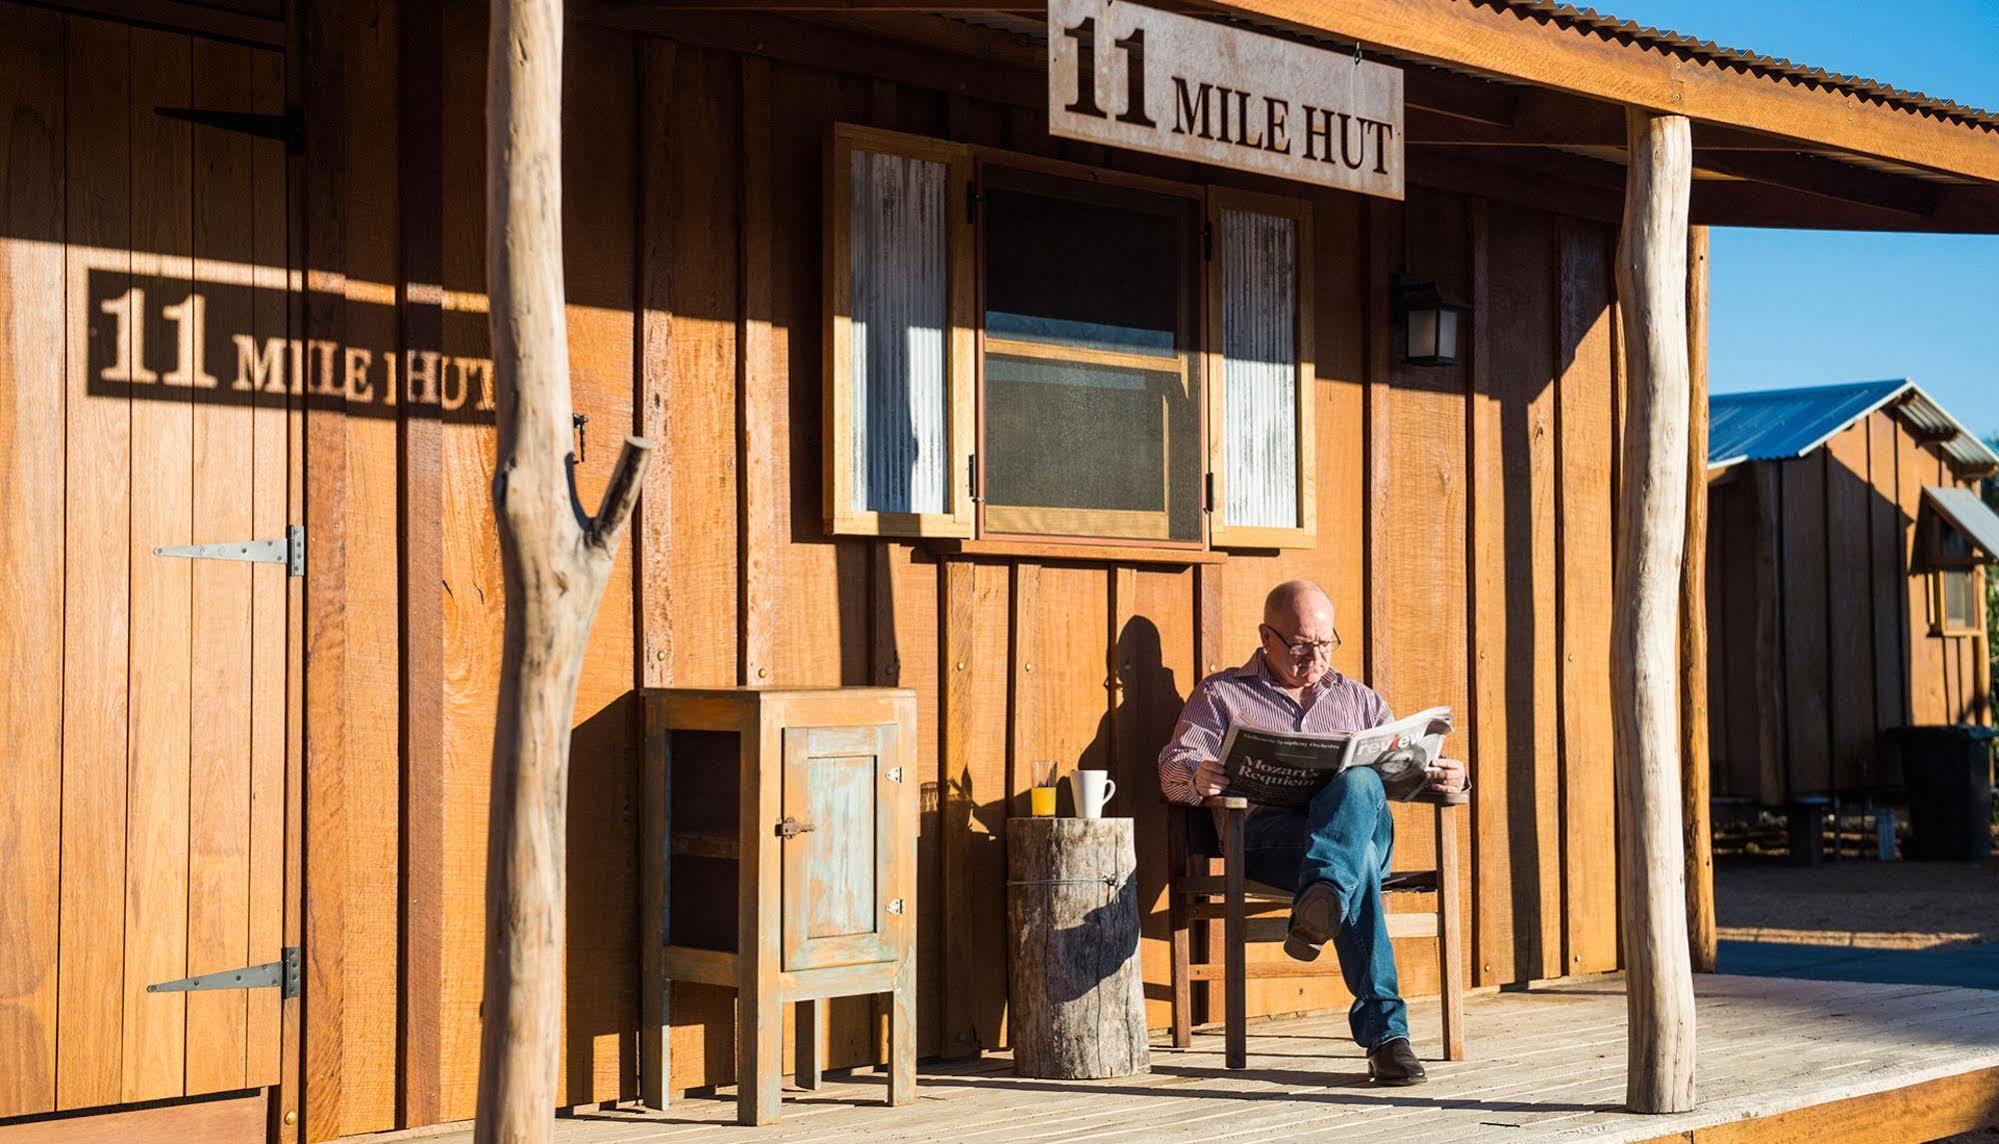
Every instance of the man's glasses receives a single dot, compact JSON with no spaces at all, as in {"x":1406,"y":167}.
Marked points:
{"x":1306,"y":649}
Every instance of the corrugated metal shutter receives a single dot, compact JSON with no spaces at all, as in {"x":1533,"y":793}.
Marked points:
{"x":899,"y":263}
{"x":1258,"y":254}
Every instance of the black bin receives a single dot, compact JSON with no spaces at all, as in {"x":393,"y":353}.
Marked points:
{"x":1948,"y":773}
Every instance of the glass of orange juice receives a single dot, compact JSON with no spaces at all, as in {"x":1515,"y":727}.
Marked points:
{"x":1041,"y":798}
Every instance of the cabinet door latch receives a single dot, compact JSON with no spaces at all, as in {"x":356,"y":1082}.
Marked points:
{"x":788,"y":827}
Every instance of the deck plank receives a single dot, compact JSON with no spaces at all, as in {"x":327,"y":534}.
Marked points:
{"x":1546,"y":1064}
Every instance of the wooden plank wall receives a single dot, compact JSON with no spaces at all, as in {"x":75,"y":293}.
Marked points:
{"x":1855,"y":655}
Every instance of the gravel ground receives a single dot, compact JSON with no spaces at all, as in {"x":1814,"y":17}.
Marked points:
{"x":1859,"y":902}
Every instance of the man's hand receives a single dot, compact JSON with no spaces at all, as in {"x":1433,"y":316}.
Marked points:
{"x":1446,"y":775}
{"x":1209,"y":778}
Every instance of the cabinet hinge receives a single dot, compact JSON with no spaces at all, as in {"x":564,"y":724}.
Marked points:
{"x":972,"y":475}
{"x":288,"y":550}
{"x":1208,"y":494}
{"x":971,"y":201}
{"x":282,"y":975}
{"x":1207,"y":242}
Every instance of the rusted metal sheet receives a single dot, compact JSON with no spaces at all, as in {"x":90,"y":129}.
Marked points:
{"x":899,"y":263}
{"x":1259,"y":264}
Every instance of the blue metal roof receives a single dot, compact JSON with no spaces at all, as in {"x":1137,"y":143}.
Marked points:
{"x":1780,"y":424}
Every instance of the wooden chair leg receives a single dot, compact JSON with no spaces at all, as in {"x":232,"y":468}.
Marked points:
{"x":1213,"y":942}
{"x":805,"y":1041}
{"x":1183,"y":985}
{"x":1451,"y":984}
{"x":1235,"y":939}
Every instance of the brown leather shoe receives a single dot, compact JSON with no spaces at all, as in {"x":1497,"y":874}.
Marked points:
{"x":1315,"y":915}
{"x":1395,"y":1063}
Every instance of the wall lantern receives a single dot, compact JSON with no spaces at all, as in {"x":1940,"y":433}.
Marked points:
{"x":1431,"y":326}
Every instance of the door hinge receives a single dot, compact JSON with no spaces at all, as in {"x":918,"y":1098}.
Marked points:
{"x":895,"y":907}
{"x":971,"y":201}
{"x":288,"y":550}
{"x":1208,"y":494}
{"x":972,"y":475}
{"x":288,"y":128}
{"x":1207,"y":242}
{"x":281,"y":974}
{"x":895,"y":774}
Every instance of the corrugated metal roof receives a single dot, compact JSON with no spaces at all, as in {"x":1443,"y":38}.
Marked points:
{"x":1972,"y":516}
{"x":1590,"y":20}
{"x":1780,"y":424}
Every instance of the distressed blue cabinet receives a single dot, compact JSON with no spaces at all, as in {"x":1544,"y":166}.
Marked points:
{"x":780,"y":852}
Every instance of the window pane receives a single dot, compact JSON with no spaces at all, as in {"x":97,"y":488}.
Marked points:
{"x":1092,"y":425}
{"x":1259,"y":256}
{"x":1094,"y":275}
{"x":898,"y":242}
{"x":1960,"y":599}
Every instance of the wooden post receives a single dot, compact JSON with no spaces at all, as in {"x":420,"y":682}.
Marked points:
{"x":1694,"y":760}
{"x":556,"y":562}
{"x":1644,"y":650}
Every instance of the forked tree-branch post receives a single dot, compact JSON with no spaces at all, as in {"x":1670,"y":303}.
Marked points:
{"x":1645,"y":651}
{"x":556,"y":562}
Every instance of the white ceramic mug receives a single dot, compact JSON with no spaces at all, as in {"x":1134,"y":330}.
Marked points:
{"x":1091,"y":790}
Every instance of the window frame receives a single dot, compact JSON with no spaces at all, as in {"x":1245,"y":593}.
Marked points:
{"x":1202,"y":362}
{"x":842,"y":519}
{"x":1940,"y":622}
{"x":1222,"y":533}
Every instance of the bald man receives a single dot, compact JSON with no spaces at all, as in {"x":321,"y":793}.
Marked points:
{"x":1334,"y":853}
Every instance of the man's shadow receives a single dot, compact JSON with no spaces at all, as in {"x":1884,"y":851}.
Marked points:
{"x":1144,"y":703}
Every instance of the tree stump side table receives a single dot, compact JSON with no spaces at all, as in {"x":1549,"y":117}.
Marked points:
{"x":1077,"y":997}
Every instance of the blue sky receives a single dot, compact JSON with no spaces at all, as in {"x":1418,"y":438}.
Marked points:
{"x":1807,"y":307}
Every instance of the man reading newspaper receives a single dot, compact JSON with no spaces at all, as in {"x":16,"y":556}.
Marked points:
{"x":1335,"y":850}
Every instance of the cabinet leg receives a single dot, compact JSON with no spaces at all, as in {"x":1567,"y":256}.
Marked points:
{"x":902,"y":1036}
{"x":805,"y":1051}
{"x":759,"y":1055}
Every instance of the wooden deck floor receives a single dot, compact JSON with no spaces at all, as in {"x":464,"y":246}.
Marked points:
{"x":1547,"y":1064}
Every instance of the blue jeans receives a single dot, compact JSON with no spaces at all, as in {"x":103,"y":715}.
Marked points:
{"x":1345,"y":837}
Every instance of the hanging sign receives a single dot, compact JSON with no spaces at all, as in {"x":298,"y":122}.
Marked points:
{"x":1147,"y":80}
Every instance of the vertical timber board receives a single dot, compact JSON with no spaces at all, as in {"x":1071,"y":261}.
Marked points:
{"x":652,"y":524}
{"x":224,"y":487}
{"x":1849,"y":609}
{"x":1383,"y":242}
{"x":273,"y":715}
{"x":155,"y":827}
{"x":421,"y":208}
{"x":1419,"y":553}
{"x":698,"y":238}
{"x":32,"y":542}
{"x":1926,"y":701}
{"x":324,"y":478}
{"x":1724,"y":644}
{"x":1767,"y":578}
{"x":1585,"y":400}
{"x":756,"y":381}
{"x":371,"y":782}
{"x":601,"y":995}
{"x":975,"y":803}
{"x":1515,"y":755}
{"x":1156,"y":640}
{"x":474,"y":592}
{"x":1807,"y":692}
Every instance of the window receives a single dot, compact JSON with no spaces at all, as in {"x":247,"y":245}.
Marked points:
{"x":1028,"y":349}
{"x":1955,"y":604}
{"x":1090,"y":396}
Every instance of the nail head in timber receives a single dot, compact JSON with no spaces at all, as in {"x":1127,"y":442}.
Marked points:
{"x":1134,"y":77}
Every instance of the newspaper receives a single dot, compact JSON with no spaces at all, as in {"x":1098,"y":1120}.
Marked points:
{"x":1286,"y":768}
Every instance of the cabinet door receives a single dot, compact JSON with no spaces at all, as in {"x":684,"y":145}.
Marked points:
{"x":841,"y":903}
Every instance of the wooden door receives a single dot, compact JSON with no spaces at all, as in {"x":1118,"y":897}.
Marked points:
{"x":145,"y":722}
{"x":841,"y":787}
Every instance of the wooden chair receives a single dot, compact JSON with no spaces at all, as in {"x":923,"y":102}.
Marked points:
{"x":1209,"y":886}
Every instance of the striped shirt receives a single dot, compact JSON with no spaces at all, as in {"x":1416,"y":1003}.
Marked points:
{"x":1248,"y":694}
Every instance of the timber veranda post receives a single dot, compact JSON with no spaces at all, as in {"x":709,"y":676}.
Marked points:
{"x":1651,"y":512}
{"x":555,"y":561}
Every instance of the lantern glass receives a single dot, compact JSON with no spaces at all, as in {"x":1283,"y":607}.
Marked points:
{"x":1423,"y":332}
{"x":1446,"y":320}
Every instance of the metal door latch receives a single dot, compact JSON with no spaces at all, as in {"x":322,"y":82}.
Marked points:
{"x":281,"y":975}
{"x":789,"y":827}
{"x":895,"y":774}
{"x":895,"y":906}
{"x":288,"y":550}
